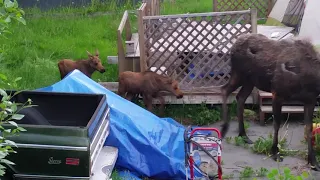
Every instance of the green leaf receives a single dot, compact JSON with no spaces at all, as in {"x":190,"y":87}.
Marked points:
{"x":8,"y":4}
{"x":14,"y":107}
{"x":275,"y":171}
{"x":10,"y":143}
{"x":2,"y":172}
{"x":17,"y":79}
{"x":3,"y":93}
{"x":305,"y":174}
{"x":22,"y":20}
{"x":6,"y":161}
{"x":299,"y":178}
{"x":13,"y":123}
{"x":270,"y":175}
{"x":2,"y":167}
{"x":6,"y":31}
{"x":3,"y":155}
{"x":17,"y":116}
{"x":7,"y":130}
{"x":21,"y":129}
{"x":8,"y":110}
{"x":8,"y":19}
{"x":3,"y":77}
{"x":286,"y":171}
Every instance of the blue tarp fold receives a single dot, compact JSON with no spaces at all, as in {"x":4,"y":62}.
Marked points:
{"x":148,"y":145}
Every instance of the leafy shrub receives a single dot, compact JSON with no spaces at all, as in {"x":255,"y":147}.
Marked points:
{"x":9,"y":110}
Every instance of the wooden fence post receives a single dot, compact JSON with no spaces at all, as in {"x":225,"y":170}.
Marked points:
{"x":254,"y":20}
{"x":254,"y":29}
{"x":214,"y":5}
{"x":141,"y":13}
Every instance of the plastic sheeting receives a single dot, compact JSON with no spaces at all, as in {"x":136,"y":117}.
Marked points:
{"x":148,"y":145}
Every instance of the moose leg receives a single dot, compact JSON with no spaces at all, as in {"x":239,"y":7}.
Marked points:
{"x":121,"y":90}
{"x":308,"y":113}
{"x":276,"y":108}
{"x":129,"y":96}
{"x":161,"y":99}
{"x":241,"y":99}
{"x":147,"y":100}
{"x":226,"y":90}
{"x":135,"y":98}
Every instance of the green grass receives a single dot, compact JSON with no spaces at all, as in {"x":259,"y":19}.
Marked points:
{"x":32,"y":51}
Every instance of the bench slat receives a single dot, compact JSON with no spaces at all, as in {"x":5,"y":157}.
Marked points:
{"x":286,"y":109}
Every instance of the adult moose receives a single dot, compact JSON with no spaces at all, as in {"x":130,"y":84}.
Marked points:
{"x":87,"y":67}
{"x":148,"y":84}
{"x":289,"y":69}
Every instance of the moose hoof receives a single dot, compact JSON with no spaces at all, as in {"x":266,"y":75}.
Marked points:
{"x":224,"y":129}
{"x":315,"y":168}
{"x":246,"y":139}
{"x":314,"y":165}
{"x":277,"y":157}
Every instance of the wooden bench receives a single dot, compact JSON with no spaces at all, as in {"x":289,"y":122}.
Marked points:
{"x":265,"y":103}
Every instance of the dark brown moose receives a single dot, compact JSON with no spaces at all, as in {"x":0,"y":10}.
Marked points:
{"x":87,"y":67}
{"x":289,"y":69}
{"x":148,"y":84}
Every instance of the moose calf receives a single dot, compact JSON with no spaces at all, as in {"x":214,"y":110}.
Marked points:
{"x":148,"y":84}
{"x":87,"y":67}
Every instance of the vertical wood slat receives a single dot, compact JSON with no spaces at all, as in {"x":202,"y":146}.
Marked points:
{"x":254,"y":23}
{"x":215,"y":5}
{"x":141,"y":13}
{"x":152,"y":7}
{"x":123,"y":65}
{"x":254,"y":20}
{"x":270,"y":6}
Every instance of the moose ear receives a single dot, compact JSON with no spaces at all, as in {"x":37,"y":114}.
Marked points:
{"x":97,"y":52}
{"x":89,"y":54}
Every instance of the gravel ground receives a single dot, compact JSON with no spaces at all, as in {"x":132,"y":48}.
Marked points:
{"x":236,"y":158}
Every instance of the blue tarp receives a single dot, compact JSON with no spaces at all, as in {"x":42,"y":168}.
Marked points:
{"x":148,"y":145}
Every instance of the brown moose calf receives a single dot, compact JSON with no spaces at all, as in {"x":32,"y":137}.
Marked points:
{"x":148,"y":84}
{"x":87,"y":67}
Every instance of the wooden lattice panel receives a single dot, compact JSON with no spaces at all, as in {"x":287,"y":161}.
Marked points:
{"x":194,"y":48}
{"x":263,"y":6}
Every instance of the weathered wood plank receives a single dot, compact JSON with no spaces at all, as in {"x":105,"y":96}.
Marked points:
{"x":136,"y":49}
{"x":286,"y":109}
{"x":112,"y":86}
{"x":112,"y":59}
{"x":191,"y":96}
{"x":198,"y":99}
{"x":123,"y":21}
{"x":264,"y":94}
